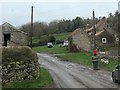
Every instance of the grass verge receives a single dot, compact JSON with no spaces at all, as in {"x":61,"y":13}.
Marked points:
{"x":79,"y":57}
{"x":84,"y":58}
{"x":44,"y":81}
{"x":110,"y":66}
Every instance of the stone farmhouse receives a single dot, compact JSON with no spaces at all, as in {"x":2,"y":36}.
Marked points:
{"x":17,"y":37}
{"x":83,"y":39}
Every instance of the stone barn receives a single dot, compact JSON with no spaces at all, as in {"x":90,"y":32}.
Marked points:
{"x":83,"y":39}
{"x":17,"y":37}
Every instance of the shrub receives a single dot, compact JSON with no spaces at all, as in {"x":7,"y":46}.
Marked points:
{"x":59,"y":41}
{"x":51,"y":39}
{"x":73,"y":48}
{"x":15,"y":54}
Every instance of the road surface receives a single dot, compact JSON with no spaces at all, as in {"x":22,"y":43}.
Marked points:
{"x":71,"y":75}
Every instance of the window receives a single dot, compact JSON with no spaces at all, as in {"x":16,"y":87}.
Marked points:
{"x":104,"y":40}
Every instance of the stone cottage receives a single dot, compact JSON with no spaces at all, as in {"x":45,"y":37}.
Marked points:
{"x":83,"y":39}
{"x":17,"y":37}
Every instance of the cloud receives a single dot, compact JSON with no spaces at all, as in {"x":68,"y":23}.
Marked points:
{"x":59,"y":0}
{"x":119,"y":6}
{"x":19,"y":13}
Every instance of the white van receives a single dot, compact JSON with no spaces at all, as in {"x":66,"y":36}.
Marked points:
{"x":65,"y":44}
{"x":49,"y":44}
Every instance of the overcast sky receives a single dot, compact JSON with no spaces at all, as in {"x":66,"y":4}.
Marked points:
{"x":18,"y":12}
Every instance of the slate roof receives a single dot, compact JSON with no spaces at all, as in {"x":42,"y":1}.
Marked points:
{"x":6,"y":27}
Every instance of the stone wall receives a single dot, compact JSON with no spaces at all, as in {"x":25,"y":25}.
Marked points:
{"x":17,"y":71}
{"x":26,"y":68}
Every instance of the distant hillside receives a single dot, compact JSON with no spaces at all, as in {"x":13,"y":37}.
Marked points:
{"x":61,"y":36}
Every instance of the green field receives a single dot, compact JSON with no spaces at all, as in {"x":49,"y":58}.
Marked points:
{"x":61,"y":36}
{"x":84,"y":58}
{"x":35,"y":40}
{"x":57,"y":49}
{"x":44,"y":81}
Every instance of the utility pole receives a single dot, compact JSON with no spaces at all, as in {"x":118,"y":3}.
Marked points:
{"x":31,"y":31}
{"x":94,"y":31}
{"x":118,"y":38}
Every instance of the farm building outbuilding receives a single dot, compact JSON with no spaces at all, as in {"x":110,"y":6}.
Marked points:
{"x":83,"y":38}
{"x":16,"y":36}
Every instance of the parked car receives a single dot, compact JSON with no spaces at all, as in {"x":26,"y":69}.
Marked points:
{"x":65,"y":44}
{"x":49,"y":45}
{"x":116,"y":74}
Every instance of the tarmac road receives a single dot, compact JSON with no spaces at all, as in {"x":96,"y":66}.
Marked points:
{"x":71,"y":75}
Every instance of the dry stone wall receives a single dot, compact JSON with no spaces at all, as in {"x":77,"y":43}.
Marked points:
{"x":26,"y":68}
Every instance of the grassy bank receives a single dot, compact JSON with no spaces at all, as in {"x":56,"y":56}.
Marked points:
{"x":44,"y":81}
{"x":79,"y":57}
